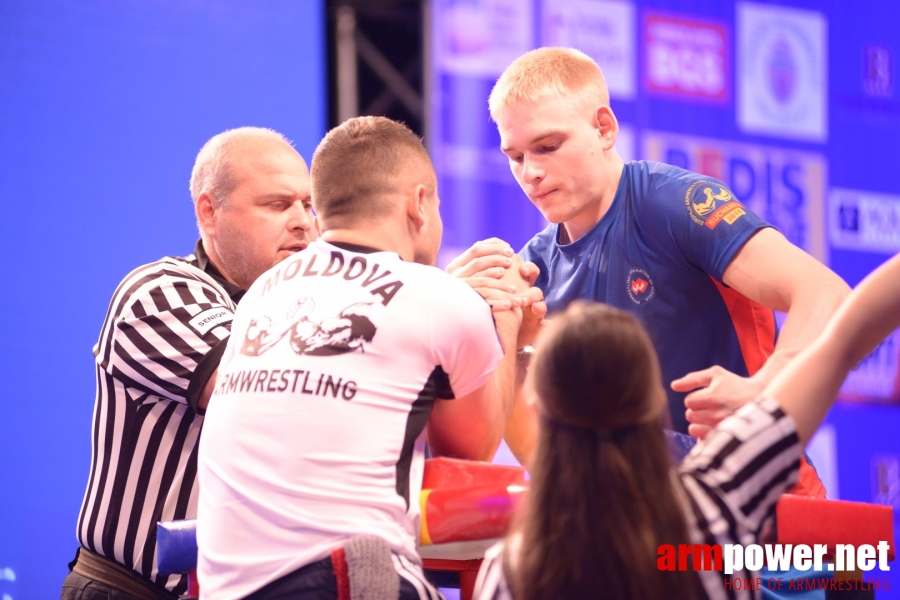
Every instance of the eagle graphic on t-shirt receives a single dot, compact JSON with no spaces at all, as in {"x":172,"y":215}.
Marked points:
{"x":344,"y":333}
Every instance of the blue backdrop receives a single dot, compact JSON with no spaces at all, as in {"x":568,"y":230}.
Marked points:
{"x":103,"y":107}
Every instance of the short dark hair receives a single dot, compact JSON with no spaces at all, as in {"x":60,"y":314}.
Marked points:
{"x":358,"y":163}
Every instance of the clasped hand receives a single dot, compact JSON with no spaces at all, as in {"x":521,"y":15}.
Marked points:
{"x":504,"y":281}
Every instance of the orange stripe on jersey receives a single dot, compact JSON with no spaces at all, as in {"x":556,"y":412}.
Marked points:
{"x":755,"y":327}
{"x":808,"y":484}
{"x":754,"y":324}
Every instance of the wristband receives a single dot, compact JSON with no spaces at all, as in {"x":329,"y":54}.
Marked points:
{"x":524,"y":354}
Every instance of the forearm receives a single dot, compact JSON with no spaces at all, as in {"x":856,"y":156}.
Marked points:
{"x":772,"y":272}
{"x":808,"y":314}
{"x":516,"y":319}
{"x":522,"y":427}
{"x":870,"y":313}
{"x":503,"y":381}
{"x":808,"y":386}
{"x":471,"y":427}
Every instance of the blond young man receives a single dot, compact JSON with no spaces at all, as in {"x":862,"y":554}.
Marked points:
{"x":676,"y":248}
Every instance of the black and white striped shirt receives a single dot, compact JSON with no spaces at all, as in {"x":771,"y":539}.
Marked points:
{"x":731,"y":482}
{"x":163,"y":336}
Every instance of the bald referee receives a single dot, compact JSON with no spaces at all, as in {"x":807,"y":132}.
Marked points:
{"x":158,"y":353}
{"x":344,"y":359}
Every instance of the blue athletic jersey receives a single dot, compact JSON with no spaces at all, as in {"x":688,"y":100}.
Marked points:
{"x":659,"y":253}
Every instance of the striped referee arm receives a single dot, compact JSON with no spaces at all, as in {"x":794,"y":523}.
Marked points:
{"x":746,"y":463}
{"x":164,"y":323}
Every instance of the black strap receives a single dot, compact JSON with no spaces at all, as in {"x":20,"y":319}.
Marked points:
{"x":206,"y":368}
{"x":358,"y":248}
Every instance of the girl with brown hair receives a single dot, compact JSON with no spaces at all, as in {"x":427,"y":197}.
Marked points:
{"x":604,"y":495}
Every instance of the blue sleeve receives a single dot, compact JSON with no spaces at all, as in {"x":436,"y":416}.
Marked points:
{"x":694,"y":217}
{"x":532,"y":252}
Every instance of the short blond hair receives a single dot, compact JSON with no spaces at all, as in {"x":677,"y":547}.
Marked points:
{"x":545,"y":72}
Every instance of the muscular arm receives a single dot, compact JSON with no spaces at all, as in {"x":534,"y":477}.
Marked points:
{"x":487,"y":260}
{"x":473,"y":425}
{"x":807,"y":386}
{"x":522,"y":428}
{"x":773,"y":272}
{"x":174,"y":362}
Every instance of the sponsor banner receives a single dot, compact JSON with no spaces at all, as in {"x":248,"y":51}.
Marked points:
{"x":822,"y":452}
{"x":686,"y":56}
{"x":784,"y":187}
{"x":886,"y":480}
{"x":477,"y":163}
{"x":602,"y":29}
{"x":481,"y":37}
{"x":878,"y":80}
{"x":875,"y":378}
{"x":472,"y":163}
{"x":782,"y":62}
{"x":866,"y":221}
{"x":625,"y":143}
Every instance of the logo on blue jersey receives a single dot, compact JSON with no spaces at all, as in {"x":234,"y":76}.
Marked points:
{"x":710,"y":203}
{"x":639,"y":286}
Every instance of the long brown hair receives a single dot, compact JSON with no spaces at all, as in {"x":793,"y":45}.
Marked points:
{"x":602,"y":498}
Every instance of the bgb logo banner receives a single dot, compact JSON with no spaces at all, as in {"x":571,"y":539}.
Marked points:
{"x":686,"y":56}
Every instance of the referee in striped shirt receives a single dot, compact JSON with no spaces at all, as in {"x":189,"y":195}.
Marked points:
{"x":158,"y":353}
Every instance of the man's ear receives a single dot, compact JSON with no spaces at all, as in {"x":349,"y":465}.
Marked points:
{"x":607,"y":126}
{"x":205,"y":209}
{"x":416,"y":208}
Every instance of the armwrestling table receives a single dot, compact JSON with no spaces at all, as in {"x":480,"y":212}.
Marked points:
{"x":467,"y":506}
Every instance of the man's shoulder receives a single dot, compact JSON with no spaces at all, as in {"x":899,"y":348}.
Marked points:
{"x":541,"y":244}
{"x":168,"y":268}
{"x":665,"y":196}
{"x":656,"y":180}
{"x":166,"y":272}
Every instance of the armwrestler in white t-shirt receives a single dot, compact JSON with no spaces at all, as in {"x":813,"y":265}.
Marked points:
{"x":343,"y":361}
